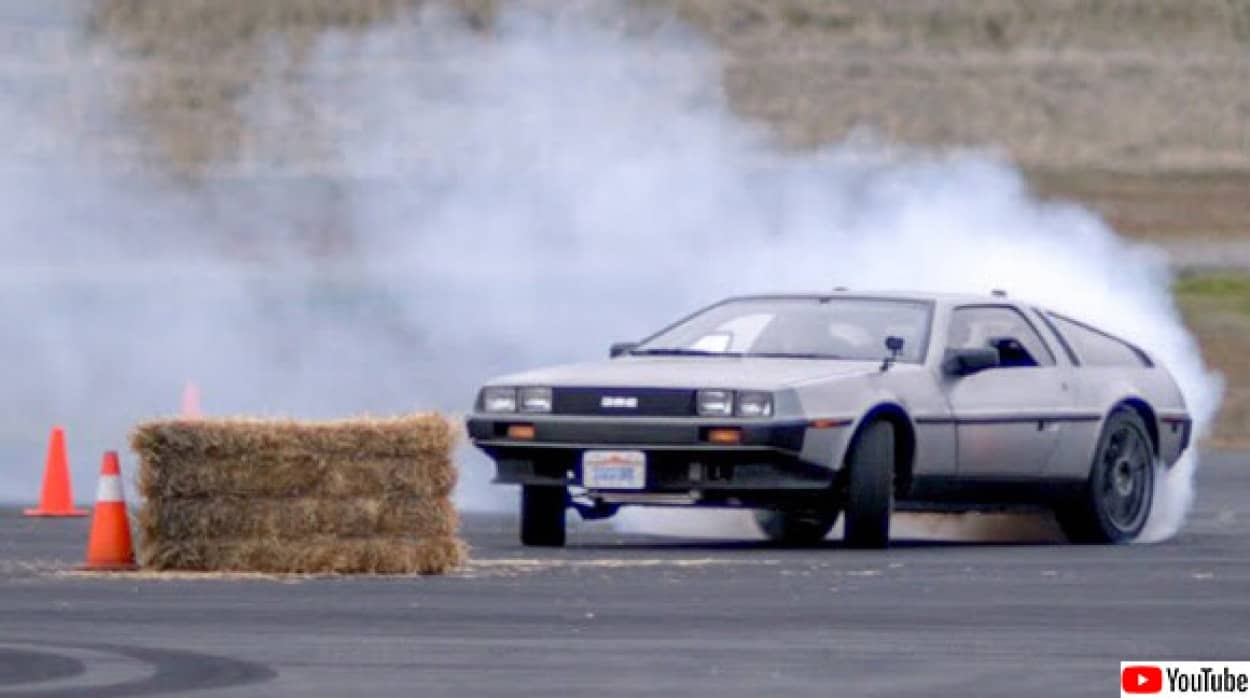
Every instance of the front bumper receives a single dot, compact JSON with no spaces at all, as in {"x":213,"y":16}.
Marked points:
{"x":769,"y":461}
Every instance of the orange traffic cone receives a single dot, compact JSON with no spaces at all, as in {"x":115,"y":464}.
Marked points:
{"x":108,"y":547}
{"x":191,"y":401}
{"x":57,"y":498}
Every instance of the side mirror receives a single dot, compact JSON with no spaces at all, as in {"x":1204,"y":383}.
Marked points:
{"x":621,"y":348}
{"x":963,"y":362}
{"x":894,"y":345}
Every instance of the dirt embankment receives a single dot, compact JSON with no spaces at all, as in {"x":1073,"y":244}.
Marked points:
{"x":1141,"y":109}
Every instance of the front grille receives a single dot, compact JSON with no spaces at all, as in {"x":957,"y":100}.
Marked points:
{"x":652,"y":402}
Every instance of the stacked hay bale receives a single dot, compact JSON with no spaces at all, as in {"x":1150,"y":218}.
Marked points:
{"x":363,"y":495}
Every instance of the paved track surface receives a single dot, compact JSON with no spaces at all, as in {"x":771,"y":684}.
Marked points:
{"x":617,"y":615}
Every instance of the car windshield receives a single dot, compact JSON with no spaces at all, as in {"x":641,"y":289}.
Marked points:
{"x":824,"y":328}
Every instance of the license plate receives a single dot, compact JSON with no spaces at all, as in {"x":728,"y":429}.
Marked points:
{"x":614,"y":470}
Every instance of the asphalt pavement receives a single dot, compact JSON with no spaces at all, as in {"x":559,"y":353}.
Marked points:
{"x":618,"y":614}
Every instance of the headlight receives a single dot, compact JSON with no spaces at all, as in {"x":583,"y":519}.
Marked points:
{"x":535,"y":399}
{"x":716,"y":403}
{"x":499,"y":399}
{"x":753,"y":403}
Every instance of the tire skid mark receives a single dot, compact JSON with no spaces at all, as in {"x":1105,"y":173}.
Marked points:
{"x":172,"y":671}
{"x":23,"y":666}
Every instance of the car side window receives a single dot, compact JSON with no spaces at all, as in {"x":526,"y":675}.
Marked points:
{"x":1002,"y":328}
{"x":1096,"y":348}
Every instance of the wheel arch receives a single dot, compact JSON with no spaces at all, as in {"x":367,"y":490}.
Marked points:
{"x":1147,"y":414}
{"x":904,"y":440}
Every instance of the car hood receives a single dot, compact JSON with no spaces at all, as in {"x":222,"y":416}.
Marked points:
{"x":690,"y":372}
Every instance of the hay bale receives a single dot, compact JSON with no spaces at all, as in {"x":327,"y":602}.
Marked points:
{"x":298,"y":517}
{"x":297,"y":475}
{"x":259,"y":458}
{"x":361,"y":495}
{"x":319,"y":554}
{"x":222,"y":438}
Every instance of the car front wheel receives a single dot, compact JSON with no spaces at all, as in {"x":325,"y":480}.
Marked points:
{"x":542,"y":515}
{"x":870,"y":487}
{"x":1115,"y":502}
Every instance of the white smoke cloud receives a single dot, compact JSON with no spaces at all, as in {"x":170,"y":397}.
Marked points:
{"x":515,"y":199}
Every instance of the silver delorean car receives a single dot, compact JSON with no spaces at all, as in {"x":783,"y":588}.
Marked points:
{"x":807,"y":407}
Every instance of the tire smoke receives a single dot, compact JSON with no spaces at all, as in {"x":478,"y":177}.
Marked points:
{"x":499,"y":201}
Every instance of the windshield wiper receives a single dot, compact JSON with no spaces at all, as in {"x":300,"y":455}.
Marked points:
{"x":784,"y":355}
{"x":682,"y":352}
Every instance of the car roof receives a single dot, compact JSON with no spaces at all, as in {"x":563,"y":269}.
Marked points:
{"x":925,"y":296}
{"x":944,"y":300}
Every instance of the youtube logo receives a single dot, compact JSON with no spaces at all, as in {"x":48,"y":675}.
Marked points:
{"x":1141,"y":678}
{"x":1188,"y":678}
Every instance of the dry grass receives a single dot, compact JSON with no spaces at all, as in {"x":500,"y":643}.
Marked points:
{"x":990,"y":24}
{"x":199,"y":61}
{"x":359,"y":496}
{"x":1163,"y":207}
{"x":1217,"y":308}
{"x":1062,"y":84}
{"x":1071,"y":84}
{"x":1136,"y":108}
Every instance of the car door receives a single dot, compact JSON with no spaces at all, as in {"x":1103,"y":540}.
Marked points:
{"x":1009,"y":418}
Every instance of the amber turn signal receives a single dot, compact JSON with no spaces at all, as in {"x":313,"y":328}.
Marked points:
{"x":828,"y":423}
{"x":724,"y":436}
{"x":521,"y":432}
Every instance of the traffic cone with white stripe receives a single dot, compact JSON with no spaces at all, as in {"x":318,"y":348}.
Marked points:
{"x":108,"y":547}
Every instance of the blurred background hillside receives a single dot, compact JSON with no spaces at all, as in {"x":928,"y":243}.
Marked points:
{"x":1139,"y":109}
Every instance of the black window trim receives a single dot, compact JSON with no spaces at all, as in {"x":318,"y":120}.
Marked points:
{"x":1063,"y":341}
{"x":1137,"y":351}
{"x":1054,"y":360}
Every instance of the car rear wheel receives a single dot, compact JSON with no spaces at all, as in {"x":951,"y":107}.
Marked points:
{"x":796,"y":528}
{"x":870,"y":487}
{"x":1115,"y":502}
{"x":542,"y":515}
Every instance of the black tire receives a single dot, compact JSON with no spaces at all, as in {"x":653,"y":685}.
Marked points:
{"x":1115,"y":502}
{"x":795,"y":528}
{"x":542,"y":515}
{"x":870,"y":487}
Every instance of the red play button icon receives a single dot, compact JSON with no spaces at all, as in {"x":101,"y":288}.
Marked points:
{"x":1141,"y":679}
